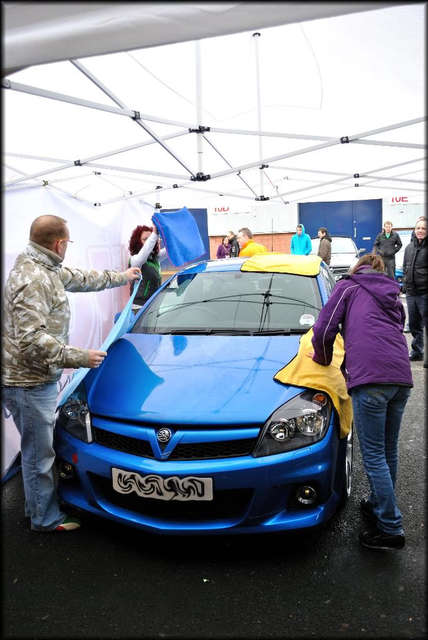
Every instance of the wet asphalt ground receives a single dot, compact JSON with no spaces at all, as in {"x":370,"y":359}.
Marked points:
{"x":109,"y":581}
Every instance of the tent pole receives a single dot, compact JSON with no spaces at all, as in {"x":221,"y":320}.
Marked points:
{"x":342,"y":140}
{"x":395,"y":166}
{"x":33,"y":157}
{"x":315,"y":186}
{"x":256,"y":37}
{"x":335,"y":173}
{"x":228,"y":163}
{"x":297,"y":169}
{"x":276,"y":189}
{"x":381,"y":186}
{"x":366,"y":175}
{"x":94,"y":164}
{"x":298,"y":152}
{"x":353,"y":176}
{"x":299,"y":136}
{"x":385,"y":143}
{"x":406,"y":123}
{"x":61,"y":97}
{"x":184,"y":186}
{"x":103,"y":155}
{"x":198,"y":70}
{"x":138,"y":119}
{"x":53,"y":95}
{"x":132,"y":170}
{"x":67,"y":163}
{"x":272,"y":134}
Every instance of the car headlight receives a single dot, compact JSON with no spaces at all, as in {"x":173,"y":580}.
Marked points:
{"x":74,"y":416}
{"x":298,"y":423}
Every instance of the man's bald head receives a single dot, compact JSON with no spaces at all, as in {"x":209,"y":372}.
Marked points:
{"x":45,"y":230}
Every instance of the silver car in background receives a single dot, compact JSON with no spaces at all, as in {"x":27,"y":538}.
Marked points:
{"x":344,"y":254}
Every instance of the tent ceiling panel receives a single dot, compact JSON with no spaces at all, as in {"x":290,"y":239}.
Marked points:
{"x":46,"y":32}
{"x":320,"y":81}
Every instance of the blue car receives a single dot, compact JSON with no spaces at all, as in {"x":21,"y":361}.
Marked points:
{"x":184,"y":430}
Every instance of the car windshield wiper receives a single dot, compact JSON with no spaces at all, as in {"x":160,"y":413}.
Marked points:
{"x":279,"y":332}
{"x":225,"y":331}
{"x":234,"y":298}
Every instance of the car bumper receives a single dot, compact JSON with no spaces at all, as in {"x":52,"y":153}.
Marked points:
{"x":251,"y":495}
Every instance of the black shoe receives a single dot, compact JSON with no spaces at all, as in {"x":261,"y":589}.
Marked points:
{"x":379,"y":540}
{"x":367,"y":510}
{"x":416,"y":356}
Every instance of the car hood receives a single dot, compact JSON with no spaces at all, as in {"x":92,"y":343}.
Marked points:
{"x":207,"y":380}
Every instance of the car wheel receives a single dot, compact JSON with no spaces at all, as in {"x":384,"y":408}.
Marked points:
{"x":345,"y":486}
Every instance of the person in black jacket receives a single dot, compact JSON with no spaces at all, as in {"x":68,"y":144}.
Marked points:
{"x":233,"y":244}
{"x":387,"y":244}
{"x":415,"y":278}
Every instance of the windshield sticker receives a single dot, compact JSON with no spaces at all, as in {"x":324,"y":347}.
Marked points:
{"x":307,"y":319}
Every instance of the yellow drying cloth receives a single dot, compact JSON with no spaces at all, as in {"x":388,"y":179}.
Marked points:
{"x":283,"y":263}
{"x":302,"y":371}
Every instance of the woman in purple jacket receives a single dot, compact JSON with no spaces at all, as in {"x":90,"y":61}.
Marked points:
{"x":365,"y":307}
{"x":223,"y":249}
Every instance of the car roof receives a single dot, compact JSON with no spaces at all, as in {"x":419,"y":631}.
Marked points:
{"x":271,"y":262}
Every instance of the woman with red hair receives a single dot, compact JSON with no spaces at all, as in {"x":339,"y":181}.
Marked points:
{"x":144,"y":247}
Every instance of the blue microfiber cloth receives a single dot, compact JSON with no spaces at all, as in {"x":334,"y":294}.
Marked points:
{"x":180,"y":235}
{"x":120,"y":327}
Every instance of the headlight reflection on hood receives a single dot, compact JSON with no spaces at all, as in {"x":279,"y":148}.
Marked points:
{"x":298,"y":423}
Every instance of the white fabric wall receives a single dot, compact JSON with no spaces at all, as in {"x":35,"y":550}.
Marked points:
{"x":100,"y":241}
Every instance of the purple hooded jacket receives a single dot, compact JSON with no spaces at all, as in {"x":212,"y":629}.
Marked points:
{"x":367,"y":306}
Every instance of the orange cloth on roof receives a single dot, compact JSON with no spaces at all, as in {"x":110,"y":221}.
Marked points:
{"x":250,"y":248}
{"x":302,"y":371}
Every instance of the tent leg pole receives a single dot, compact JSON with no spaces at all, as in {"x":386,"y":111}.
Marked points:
{"x":259,"y":109}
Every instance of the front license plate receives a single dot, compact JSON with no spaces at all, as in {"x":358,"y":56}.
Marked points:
{"x":160,"y":488}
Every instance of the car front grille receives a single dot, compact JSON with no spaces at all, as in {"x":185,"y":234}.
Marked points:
{"x":123,"y":443}
{"x":186,"y":451}
{"x":206,"y":450}
{"x":226,"y":505}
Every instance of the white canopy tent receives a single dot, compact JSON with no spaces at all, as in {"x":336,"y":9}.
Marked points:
{"x":299,"y":111}
{"x":112,"y":108}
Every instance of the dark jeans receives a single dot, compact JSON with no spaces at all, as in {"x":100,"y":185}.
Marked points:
{"x":389,"y":267}
{"x":417,"y":309}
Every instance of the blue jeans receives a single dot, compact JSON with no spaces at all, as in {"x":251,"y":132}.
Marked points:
{"x":33,"y":411}
{"x":417,"y":310}
{"x":378,"y":409}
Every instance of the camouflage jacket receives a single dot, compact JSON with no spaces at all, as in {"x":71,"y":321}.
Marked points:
{"x":37,"y":316}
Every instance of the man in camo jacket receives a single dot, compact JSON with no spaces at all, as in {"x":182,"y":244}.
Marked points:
{"x":35,"y":351}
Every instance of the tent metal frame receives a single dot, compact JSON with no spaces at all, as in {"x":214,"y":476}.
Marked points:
{"x":140,"y":118}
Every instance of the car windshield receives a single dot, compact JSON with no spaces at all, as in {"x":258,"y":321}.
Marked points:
{"x":233,"y":302}
{"x":338,"y":245}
